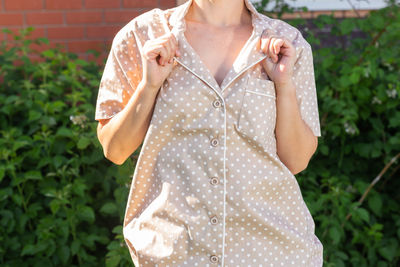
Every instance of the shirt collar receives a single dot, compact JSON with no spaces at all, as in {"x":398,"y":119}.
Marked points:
{"x":177,"y":21}
{"x":251,"y":54}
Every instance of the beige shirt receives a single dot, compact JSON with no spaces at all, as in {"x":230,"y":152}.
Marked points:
{"x":209,"y":188}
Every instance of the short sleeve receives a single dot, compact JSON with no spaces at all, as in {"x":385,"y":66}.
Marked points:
{"x":304,"y":80}
{"x":122,"y":74}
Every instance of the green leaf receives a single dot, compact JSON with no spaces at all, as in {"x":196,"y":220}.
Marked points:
{"x":324,"y":149}
{"x":85,"y":213}
{"x":347,"y":26}
{"x":363,"y":214}
{"x":375,"y":204}
{"x":31,"y":249}
{"x":113,"y":261}
{"x":55,"y":205}
{"x":64,"y":132}
{"x":63,"y":252}
{"x":33,"y":175}
{"x":79,"y":188}
{"x":2,"y":172}
{"x":34,"y":115}
{"x":389,"y":250}
{"x":354,"y":78}
{"x":5,"y":193}
{"x":334,"y":234}
{"x":109,"y":208}
{"x":28,"y":250}
{"x":48,"y":53}
{"x":76,"y":244}
{"x":83,"y":142}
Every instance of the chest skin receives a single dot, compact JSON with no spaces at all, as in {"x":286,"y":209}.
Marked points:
{"x":218,"y":47}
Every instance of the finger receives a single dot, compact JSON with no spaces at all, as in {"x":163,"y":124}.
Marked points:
{"x":176,"y":51}
{"x":271,"y":49}
{"x":152,"y":51}
{"x":172,"y":46}
{"x":275,"y":47}
{"x":278,"y":42}
{"x":268,"y":35}
{"x":264,"y":45}
{"x":168,"y":50}
{"x":163,"y":55}
{"x":174,"y":41}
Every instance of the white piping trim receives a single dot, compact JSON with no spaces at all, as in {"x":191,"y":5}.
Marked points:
{"x":243,"y":70}
{"x":223,"y":226}
{"x":258,"y":93}
{"x":218,"y":93}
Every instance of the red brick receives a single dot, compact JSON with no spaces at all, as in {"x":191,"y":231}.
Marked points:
{"x":103,"y":3}
{"x":167,"y":3}
{"x":353,"y":14}
{"x":44,"y":18}
{"x":102,"y":31}
{"x":99,"y":60}
{"x":143,"y":3}
{"x":83,"y":46}
{"x":36,"y":58}
{"x":11,"y":19}
{"x":120,"y":16}
{"x":65,"y":32}
{"x":301,"y":14}
{"x":63,"y":4}
{"x":84,"y":17}
{"x":335,"y":13}
{"x":23,"y":4}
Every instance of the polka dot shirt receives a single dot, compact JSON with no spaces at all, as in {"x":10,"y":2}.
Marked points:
{"x":208,"y":188}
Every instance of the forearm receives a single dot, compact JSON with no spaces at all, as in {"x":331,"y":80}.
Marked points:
{"x":296,"y":142}
{"x":123,"y":134}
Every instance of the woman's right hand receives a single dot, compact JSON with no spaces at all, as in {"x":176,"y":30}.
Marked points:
{"x":157,"y":59}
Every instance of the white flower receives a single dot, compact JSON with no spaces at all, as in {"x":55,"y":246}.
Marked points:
{"x":349,"y":129}
{"x":376,"y":100}
{"x":391,"y":93}
{"x":78,"y":120}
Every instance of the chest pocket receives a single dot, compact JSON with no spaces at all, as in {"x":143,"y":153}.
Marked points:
{"x":257,"y":115}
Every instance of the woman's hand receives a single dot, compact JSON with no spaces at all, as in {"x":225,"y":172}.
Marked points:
{"x":281,"y":54}
{"x":157,"y":59}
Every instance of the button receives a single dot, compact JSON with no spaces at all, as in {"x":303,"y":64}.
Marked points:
{"x":217,"y":103}
{"x":214,"y":180}
{"x":213,"y":259}
{"x":214,"y":142}
{"x":214,"y":220}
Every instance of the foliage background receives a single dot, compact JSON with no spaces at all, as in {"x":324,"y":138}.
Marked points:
{"x":62,"y":203}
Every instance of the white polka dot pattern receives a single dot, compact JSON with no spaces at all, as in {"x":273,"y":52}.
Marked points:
{"x":209,"y":188}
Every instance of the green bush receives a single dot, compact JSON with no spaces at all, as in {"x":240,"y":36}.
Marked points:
{"x":351,"y":184}
{"x":62,"y":203}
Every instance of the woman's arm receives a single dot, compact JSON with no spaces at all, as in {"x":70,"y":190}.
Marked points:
{"x":295,"y":141}
{"x":121,"y":135}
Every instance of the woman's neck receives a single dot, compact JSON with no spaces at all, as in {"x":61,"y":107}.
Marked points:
{"x":219,"y":13}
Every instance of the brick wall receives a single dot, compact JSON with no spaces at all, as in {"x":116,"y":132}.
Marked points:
{"x":78,"y":25}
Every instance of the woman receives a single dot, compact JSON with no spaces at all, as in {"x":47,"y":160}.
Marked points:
{"x":224,"y":100}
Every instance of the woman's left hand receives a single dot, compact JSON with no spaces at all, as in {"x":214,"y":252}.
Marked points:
{"x":279,"y":64}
